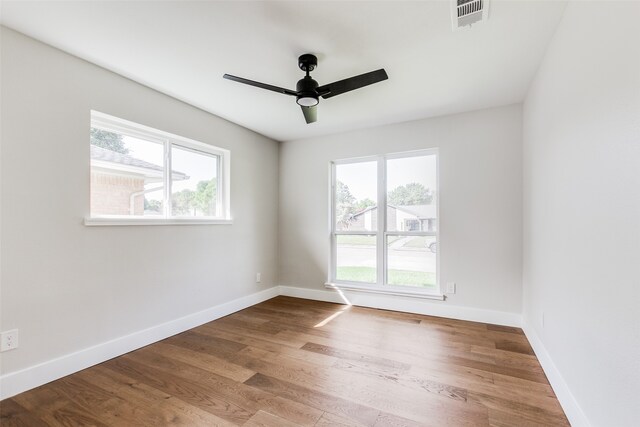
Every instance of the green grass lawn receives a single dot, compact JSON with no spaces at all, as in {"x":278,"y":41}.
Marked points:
{"x":356,"y":239}
{"x":356,"y":274}
{"x":412,"y":278}
{"x":396,"y":277}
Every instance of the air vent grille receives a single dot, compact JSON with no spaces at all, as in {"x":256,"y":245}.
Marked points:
{"x":467,"y":12}
{"x":467,"y":7}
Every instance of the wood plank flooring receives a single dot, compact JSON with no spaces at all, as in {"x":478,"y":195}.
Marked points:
{"x":293,"y":362}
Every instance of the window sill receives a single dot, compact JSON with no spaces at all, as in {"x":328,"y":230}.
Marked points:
{"x":91,"y":222}
{"x":384,"y":291}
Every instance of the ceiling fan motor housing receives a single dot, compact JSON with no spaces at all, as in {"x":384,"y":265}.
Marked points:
{"x":306,"y":89}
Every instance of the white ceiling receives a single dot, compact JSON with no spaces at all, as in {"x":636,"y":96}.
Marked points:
{"x":183,"y":48}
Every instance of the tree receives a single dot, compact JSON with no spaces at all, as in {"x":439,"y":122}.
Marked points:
{"x":364,"y":204}
{"x":345,"y":204}
{"x":183,"y":202}
{"x":152,"y":205}
{"x":205,"y":198}
{"x":413,"y":193}
{"x":343,"y":194}
{"x":108,"y":140}
{"x":189,"y":202}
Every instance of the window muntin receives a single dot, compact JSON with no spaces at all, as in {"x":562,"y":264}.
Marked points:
{"x":399,"y":249}
{"x":143,"y":173}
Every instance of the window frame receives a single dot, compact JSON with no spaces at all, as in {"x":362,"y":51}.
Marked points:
{"x":381,"y":234}
{"x":168,"y":140}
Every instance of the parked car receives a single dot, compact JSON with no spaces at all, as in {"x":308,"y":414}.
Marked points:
{"x":433,"y":246}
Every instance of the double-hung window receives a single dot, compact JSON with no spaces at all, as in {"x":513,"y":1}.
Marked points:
{"x":394,"y":249}
{"x":141,"y":175}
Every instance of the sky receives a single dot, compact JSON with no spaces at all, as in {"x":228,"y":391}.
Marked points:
{"x":362,"y":182}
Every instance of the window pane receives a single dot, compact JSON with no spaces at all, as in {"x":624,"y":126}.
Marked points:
{"x":194,"y":182}
{"x":411,"y":194}
{"x":127,"y":175}
{"x":356,"y":258}
{"x":356,"y":196}
{"x":411,"y":261}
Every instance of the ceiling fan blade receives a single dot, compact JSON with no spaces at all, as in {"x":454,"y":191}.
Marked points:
{"x":310,"y":113}
{"x":352,"y":83}
{"x":260,"y":85}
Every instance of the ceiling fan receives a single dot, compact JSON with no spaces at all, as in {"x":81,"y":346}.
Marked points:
{"x":307,"y":90}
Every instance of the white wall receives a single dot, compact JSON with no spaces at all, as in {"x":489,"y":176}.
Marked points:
{"x":582,"y":209}
{"x":480,"y":202}
{"x":67,"y":286}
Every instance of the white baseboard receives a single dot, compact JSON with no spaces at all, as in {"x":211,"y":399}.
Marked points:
{"x":572,"y":410}
{"x":313,"y":294}
{"x":34,"y":376}
{"x":37,"y":375}
{"x":406,"y":304}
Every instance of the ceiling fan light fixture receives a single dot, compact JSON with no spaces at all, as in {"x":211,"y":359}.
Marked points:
{"x":307,"y":101}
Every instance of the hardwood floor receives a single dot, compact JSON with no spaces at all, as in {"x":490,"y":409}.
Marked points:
{"x":289,"y":362}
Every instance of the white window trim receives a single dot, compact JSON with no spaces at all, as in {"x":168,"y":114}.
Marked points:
{"x":110,"y":123}
{"x":134,"y":220}
{"x":381,"y":234}
{"x":402,"y":291}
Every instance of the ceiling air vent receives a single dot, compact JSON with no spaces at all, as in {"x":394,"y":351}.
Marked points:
{"x":467,"y":12}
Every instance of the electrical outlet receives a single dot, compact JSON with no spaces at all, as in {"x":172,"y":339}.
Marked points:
{"x":258,"y":277}
{"x":451,"y":288}
{"x":9,"y":340}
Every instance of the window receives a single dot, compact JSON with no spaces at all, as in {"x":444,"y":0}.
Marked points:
{"x":141,"y":175}
{"x":356,"y":222}
{"x":392,"y":249}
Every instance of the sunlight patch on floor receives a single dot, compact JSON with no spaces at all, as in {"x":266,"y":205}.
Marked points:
{"x":330,"y":318}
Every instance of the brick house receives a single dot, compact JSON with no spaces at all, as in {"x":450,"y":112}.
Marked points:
{"x":119,"y":182}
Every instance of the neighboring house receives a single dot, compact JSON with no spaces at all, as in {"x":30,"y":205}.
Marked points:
{"x":120,"y":181}
{"x":400,"y":218}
